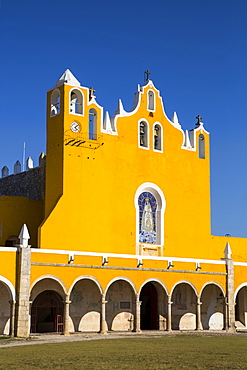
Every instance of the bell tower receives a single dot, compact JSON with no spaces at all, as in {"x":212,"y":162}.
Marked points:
{"x":73,"y":124}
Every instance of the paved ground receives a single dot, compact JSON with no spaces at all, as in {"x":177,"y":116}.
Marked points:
{"x":58,"y":338}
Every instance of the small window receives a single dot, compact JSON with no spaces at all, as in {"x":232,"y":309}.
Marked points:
{"x":55,"y":102}
{"x":12,"y":241}
{"x":76,"y":102}
{"x":143,"y":134}
{"x":157,"y":137}
{"x":92,"y":129}
{"x":150,"y":100}
{"x":201,"y":146}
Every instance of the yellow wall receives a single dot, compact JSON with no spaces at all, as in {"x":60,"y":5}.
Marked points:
{"x":14,"y":212}
{"x":95,"y":189}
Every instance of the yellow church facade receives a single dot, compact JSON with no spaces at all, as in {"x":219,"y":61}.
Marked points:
{"x":119,"y":238}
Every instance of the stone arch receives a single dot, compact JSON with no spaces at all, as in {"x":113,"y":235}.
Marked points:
{"x":120,"y":308}
{"x":85,"y":308}
{"x":212,"y":306}
{"x":215,"y":283}
{"x":7,"y":296}
{"x":86,"y":277}
{"x":52,"y":278}
{"x":155,"y":281}
{"x":153,"y":297}
{"x":184,"y":300}
{"x":240,"y":298}
{"x":120,"y":278}
{"x":47,"y":295}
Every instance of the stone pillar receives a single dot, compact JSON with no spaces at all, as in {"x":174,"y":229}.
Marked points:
{"x":12,"y":318}
{"x":137,"y":322}
{"x":230,"y":304}
{"x":22,"y":327}
{"x":66,"y":316}
{"x":103,"y":323}
{"x":169,"y":313}
{"x":198,"y":314}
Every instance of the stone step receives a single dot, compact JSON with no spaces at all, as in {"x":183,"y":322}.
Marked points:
{"x":240,"y":325}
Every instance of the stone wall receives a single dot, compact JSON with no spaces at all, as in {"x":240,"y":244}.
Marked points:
{"x":25,"y":184}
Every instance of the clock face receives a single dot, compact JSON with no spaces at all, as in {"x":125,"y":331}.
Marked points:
{"x":75,"y":127}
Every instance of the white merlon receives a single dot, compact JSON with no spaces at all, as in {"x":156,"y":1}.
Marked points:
{"x":175,"y":118}
{"x":68,"y":78}
{"x":42,"y":158}
{"x":29,"y":163}
{"x":17,"y":167}
{"x":5,"y":171}
{"x":228,"y":251}
{"x":107,"y":123}
{"x":24,"y":236}
{"x":120,"y":109}
{"x":187,"y":143}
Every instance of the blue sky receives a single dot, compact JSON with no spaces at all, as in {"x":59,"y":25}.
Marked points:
{"x":195,"y":49}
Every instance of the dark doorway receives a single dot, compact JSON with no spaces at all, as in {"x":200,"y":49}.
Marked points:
{"x":47,"y":313}
{"x":149,"y":308}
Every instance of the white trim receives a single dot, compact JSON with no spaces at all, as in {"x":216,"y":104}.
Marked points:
{"x":118,"y":278}
{"x":240,"y":263}
{"x":184,"y":282}
{"x":8,"y":249}
{"x":151,"y":280}
{"x":161,"y":206}
{"x":85,"y":277}
{"x":9,"y":285}
{"x":127,"y":256}
{"x":212,"y":283}
{"x":147,"y":135}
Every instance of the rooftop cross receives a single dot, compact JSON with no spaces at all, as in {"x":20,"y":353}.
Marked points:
{"x":198,"y":123}
{"x":147,"y":73}
{"x":91,"y":92}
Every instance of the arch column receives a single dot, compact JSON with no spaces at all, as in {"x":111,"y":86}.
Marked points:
{"x":22,"y":328}
{"x":198,"y":314}
{"x":66,"y":316}
{"x":230,"y":304}
{"x":103,"y":323}
{"x":12,"y":318}
{"x":169,"y":312}
{"x":137,"y":322}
